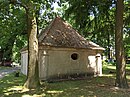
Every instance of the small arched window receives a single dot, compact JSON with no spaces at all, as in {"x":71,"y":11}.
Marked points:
{"x":74,"y":56}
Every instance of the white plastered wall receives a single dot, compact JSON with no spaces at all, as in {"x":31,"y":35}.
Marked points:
{"x":24,"y":62}
{"x":57,"y":61}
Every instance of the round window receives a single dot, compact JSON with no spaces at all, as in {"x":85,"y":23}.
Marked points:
{"x":74,"y":56}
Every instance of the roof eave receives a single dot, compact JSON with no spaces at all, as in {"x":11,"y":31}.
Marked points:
{"x":97,"y":48}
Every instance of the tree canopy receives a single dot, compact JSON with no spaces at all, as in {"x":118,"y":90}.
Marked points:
{"x":95,"y":20}
{"x":13,"y":25}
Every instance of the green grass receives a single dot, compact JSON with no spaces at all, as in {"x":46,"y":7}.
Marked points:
{"x":9,"y":82}
{"x":11,"y":86}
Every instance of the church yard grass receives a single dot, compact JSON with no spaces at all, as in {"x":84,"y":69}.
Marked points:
{"x":11,"y":86}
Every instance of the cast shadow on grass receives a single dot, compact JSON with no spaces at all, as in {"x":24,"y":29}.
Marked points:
{"x":86,"y":87}
{"x":11,"y":86}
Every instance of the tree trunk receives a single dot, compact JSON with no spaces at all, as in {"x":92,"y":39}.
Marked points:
{"x":121,"y":80}
{"x":9,"y":46}
{"x":32,"y":81}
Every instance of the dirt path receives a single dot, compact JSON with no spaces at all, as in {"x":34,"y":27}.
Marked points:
{"x":6,"y":71}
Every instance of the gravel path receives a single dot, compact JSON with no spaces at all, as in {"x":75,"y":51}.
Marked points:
{"x":7,"y":71}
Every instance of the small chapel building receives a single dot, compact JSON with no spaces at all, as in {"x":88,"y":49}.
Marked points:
{"x":64,"y":53}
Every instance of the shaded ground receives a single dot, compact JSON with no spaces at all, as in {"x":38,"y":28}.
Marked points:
{"x":11,"y":86}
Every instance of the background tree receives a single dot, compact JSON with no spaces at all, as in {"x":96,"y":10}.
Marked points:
{"x":13,"y":19}
{"x":94,"y":19}
{"x":127,"y":27}
{"x":12,"y":27}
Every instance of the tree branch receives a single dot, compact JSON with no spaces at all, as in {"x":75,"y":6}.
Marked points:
{"x":18,"y":2}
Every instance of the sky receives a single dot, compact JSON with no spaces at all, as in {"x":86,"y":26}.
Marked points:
{"x":56,"y":6}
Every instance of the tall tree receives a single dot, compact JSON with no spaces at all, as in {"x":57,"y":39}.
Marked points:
{"x":121,"y":80}
{"x":33,"y":73}
{"x":32,"y":9}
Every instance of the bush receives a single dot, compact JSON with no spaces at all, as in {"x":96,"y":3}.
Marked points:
{"x":104,"y":63}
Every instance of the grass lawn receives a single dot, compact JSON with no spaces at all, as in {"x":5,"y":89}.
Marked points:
{"x":11,"y":86}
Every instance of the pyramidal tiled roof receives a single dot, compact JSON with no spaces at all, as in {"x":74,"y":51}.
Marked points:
{"x":61,"y":34}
